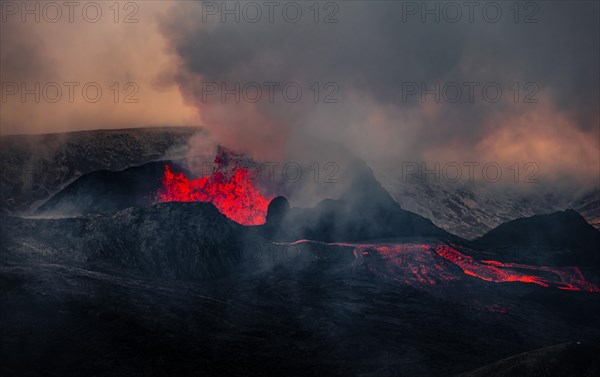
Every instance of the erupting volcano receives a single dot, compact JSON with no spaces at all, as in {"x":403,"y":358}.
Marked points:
{"x":230,"y":188}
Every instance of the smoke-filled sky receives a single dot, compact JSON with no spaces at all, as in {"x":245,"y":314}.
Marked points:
{"x":392,"y":81}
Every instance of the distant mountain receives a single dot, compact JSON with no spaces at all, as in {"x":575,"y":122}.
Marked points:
{"x":34,"y":167}
{"x":468,"y":209}
{"x":589,"y":207}
{"x":366,"y":211}
{"x":565,"y":237}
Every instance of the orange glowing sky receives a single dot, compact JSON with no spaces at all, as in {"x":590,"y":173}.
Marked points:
{"x":104,"y":52}
{"x":169,"y":52}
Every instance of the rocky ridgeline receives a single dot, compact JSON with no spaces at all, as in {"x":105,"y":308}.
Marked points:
{"x":34,"y":167}
{"x":172,"y":240}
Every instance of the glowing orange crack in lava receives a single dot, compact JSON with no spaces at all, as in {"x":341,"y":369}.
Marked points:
{"x":569,"y":278}
{"x":419,"y":264}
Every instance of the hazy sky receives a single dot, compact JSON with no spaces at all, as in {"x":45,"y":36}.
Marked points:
{"x":393,"y":81}
{"x":96,"y":54}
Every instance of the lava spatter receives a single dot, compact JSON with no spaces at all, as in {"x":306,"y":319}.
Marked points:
{"x":229,"y":188}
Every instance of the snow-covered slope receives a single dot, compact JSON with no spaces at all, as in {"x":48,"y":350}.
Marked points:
{"x":470,"y":209}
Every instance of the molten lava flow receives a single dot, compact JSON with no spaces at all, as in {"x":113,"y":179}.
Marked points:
{"x":571,"y":278}
{"x":568,"y":278}
{"x":230,"y":190}
{"x":422,"y":265}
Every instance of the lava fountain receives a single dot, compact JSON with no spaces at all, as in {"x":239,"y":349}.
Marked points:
{"x":229,"y":188}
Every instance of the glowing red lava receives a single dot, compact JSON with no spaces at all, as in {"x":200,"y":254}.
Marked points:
{"x":425,"y":265}
{"x":567,"y":278}
{"x":231,"y":190}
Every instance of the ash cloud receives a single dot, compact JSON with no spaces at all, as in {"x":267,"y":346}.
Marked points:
{"x":370,"y":53}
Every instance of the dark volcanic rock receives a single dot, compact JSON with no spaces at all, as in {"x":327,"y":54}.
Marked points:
{"x":310,"y":320}
{"x":156,"y":291}
{"x":565,"y":231}
{"x":340,"y":220}
{"x":174,"y":240}
{"x":37,"y":166}
{"x":278,"y":209}
{"x":106,"y":190}
{"x":364,"y":212}
{"x":563,"y":360}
